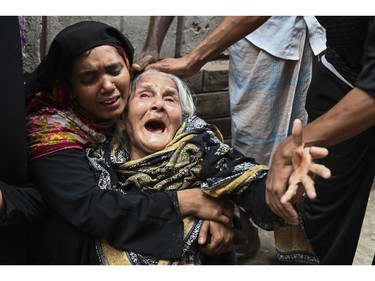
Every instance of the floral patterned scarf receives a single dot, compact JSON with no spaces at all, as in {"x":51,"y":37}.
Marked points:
{"x":55,"y":123}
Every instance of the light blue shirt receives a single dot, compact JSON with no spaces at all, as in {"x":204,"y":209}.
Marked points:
{"x":281,"y":36}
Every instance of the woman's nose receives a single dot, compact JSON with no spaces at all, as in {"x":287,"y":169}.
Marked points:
{"x":107,"y":86}
{"x":158,"y":104}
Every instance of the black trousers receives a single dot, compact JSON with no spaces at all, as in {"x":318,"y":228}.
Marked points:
{"x":333,"y":221}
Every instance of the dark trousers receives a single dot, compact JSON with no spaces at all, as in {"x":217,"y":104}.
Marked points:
{"x":334,"y":220}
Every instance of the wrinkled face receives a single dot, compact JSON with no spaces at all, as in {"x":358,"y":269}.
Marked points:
{"x":101,"y":82}
{"x":154,"y":114}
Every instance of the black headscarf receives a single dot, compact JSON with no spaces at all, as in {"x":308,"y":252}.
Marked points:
{"x":67,"y":45}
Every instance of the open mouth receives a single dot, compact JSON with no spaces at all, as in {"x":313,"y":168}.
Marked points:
{"x":110,"y":101}
{"x":153,"y":126}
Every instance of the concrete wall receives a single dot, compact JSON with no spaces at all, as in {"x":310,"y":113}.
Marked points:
{"x":40,"y":31}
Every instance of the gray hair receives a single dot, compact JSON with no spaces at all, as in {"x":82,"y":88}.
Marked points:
{"x":184,"y":93}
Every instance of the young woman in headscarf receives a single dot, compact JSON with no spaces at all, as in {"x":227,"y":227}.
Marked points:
{"x":74,"y":98}
{"x":172,"y":149}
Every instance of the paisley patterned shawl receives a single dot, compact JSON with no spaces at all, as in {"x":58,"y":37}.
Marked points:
{"x":195,"y":157}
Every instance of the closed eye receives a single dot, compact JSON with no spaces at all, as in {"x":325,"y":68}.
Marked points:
{"x":114,"y":69}
{"x":170,"y":99}
{"x":88,"y":78}
{"x":144,"y":94}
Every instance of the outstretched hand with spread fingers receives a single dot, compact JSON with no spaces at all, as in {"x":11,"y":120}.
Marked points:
{"x":292,"y":175}
{"x":301,"y":180}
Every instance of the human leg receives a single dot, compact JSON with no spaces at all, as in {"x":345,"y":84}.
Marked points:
{"x":266,"y":95}
{"x":334,"y":219}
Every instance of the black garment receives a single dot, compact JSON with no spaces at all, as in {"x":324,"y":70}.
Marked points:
{"x":63,"y":244}
{"x":333,"y":221}
{"x":24,"y":205}
{"x":54,"y":241}
{"x":130,"y":221}
{"x":345,"y":40}
{"x":253,"y":201}
{"x":13,"y":160}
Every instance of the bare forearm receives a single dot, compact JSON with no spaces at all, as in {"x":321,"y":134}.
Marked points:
{"x":193,"y":202}
{"x":229,"y":30}
{"x":352,"y":115}
{"x":158,"y":28}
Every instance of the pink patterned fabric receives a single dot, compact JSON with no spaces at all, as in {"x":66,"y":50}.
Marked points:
{"x":55,"y":124}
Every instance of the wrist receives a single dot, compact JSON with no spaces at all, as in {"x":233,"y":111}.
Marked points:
{"x":194,"y":62}
{"x":187,"y":199}
{"x":151,"y":48}
{"x":284,"y":151}
{"x":181,"y":203}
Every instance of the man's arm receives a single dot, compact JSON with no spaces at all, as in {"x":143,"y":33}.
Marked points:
{"x":349,"y":117}
{"x":352,"y":115}
{"x":157,"y":30}
{"x":228,"y":31}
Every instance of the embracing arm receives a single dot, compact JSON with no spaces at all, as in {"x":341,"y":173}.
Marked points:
{"x":69,"y":187}
{"x":130,"y":221}
{"x":21,"y":205}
